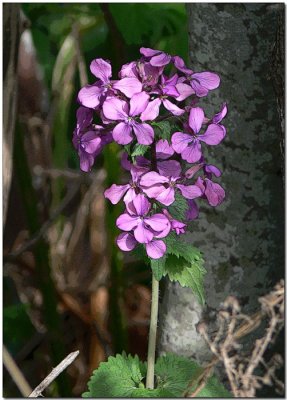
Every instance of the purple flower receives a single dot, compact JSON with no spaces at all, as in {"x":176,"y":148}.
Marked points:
{"x":188,"y":144}
{"x":91,"y":95}
{"x":157,"y":58}
{"x":116,"y":192}
{"x":165,"y":167}
{"x":143,"y":71}
{"x":213,"y":192}
{"x":118,"y":110}
{"x":162,"y":188}
{"x":201,"y":82}
{"x":88,"y":139}
{"x":155,"y":249}
{"x":145,"y":227}
{"x":177,"y":226}
{"x":165,"y":89}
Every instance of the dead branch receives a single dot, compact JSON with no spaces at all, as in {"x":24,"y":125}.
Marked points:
{"x":53,"y":375}
{"x":240,"y":366}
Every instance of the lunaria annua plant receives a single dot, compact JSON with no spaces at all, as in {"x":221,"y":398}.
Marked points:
{"x":163,"y":131}
{"x":156,"y":117}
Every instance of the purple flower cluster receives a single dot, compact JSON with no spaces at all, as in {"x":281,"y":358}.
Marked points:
{"x":129,"y":110}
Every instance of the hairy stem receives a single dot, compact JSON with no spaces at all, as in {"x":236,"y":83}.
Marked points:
{"x":152,"y":334}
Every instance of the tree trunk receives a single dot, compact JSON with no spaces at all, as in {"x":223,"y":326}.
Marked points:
{"x":11,"y":35}
{"x":242,"y":240}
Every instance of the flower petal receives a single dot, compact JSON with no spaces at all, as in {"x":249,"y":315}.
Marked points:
{"x":192,"y":153}
{"x":152,"y":178}
{"x":126,"y":242}
{"x":193,"y":170}
{"x":219,"y":116}
{"x":122,"y":133}
{"x":180,"y":141}
{"x":172,"y":107}
{"x":212,"y":169}
{"x":128,"y":86}
{"x":147,"y":52}
{"x":155,"y":249}
{"x":144,"y":133}
{"x":115,"y":109}
{"x":160,"y":60}
{"x":141,"y":205}
{"x":190,"y":191}
{"x":91,"y":142}
{"x":184,"y":91}
{"x":207,"y":79}
{"x":180,"y":65}
{"x":138,"y":103}
{"x":86,"y":161}
{"x":193,"y":211}
{"x":89,"y":96}
{"x":115,"y":193}
{"x":214,"y":193}
{"x":129,"y":197}
{"x":195,"y":120}
{"x":166,"y":196}
{"x":101,"y":69}
{"x":142,"y":233}
{"x":157,"y":222}
{"x":213,"y":135}
{"x":127,"y":222}
{"x":152,"y":110}
{"x":169,"y":168}
{"x":163,"y":150}
{"x":200,"y":90}
{"x":84,"y":117}
{"x":129,"y":70}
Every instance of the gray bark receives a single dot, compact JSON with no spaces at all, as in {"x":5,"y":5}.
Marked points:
{"x":242,"y":240}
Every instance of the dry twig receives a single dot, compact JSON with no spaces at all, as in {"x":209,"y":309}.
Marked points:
{"x":53,"y":375}
{"x":241,"y":367}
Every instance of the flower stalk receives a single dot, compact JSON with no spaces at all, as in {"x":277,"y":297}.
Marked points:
{"x":152,"y":334}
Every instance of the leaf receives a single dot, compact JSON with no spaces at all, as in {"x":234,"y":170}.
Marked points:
{"x":188,"y":275}
{"x":184,"y":264}
{"x":163,"y":130}
{"x":174,"y":373}
{"x":120,"y":376}
{"x":145,"y":393}
{"x":179,"y":207}
{"x":158,"y":267}
{"x":139,"y":150}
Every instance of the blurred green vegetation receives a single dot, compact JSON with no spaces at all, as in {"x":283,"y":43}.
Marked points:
{"x":110,"y":31}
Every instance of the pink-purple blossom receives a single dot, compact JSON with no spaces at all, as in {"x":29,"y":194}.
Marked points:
{"x":171,"y":165}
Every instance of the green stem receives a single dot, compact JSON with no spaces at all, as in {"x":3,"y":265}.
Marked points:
{"x":152,"y":334}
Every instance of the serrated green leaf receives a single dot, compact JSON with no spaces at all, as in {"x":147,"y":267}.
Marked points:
{"x":120,"y":376}
{"x":150,"y":393}
{"x":179,"y":247}
{"x":139,"y":150}
{"x":163,"y":130}
{"x":158,"y":267}
{"x":179,"y":207}
{"x":188,"y":275}
{"x":174,"y":373}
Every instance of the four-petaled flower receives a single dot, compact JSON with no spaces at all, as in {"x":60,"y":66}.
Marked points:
{"x":91,"y":95}
{"x":119,"y":110}
{"x":188,"y":144}
{"x":145,"y":226}
{"x":162,"y":188}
